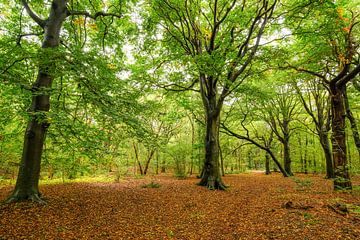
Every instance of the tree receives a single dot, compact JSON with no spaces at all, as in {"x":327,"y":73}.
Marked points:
{"x":280,"y":112}
{"x":335,"y":63}
{"x":220,"y":40}
{"x":28,"y":176}
{"x":315,"y":101}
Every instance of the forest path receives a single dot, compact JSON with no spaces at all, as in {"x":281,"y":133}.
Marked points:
{"x":256,"y":206}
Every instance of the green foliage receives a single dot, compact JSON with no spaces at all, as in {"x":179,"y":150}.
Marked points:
{"x":152,"y":184}
{"x":302,"y":184}
{"x":113,"y":75}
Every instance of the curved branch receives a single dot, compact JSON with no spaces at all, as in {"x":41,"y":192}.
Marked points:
{"x":266,"y":149}
{"x":94,"y":16}
{"x":33,"y":15}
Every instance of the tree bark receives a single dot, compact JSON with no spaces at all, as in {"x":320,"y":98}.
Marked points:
{"x":287,"y":158}
{"x":325,"y":144}
{"x":27,"y":184}
{"x":211,"y":176}
{"x":353,"y":124}
{"x":342,"y":176}
{"x":267,"y":164}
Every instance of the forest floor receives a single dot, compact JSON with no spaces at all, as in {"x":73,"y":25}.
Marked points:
{"x":255,"y":206}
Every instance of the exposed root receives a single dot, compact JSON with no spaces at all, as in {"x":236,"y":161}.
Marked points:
{"x":34,"y":197}
{"x":213,"y":185}
{"x":291,"y":205}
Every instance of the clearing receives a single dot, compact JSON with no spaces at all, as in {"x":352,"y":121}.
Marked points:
{"x":256,"y":206}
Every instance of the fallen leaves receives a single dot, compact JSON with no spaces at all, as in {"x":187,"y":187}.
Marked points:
{"x":252,"y":208}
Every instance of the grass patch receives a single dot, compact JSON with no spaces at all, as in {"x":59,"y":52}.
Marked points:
{"x":302,"y":184}
{"x":152,"y":184}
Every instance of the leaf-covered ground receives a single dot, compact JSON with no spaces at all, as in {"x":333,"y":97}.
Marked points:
{"x":255,"y":207}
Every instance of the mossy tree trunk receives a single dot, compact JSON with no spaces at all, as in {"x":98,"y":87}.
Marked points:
{"x":342,"y":176}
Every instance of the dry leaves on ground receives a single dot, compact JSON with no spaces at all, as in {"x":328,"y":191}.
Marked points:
{"x":256,"y":206}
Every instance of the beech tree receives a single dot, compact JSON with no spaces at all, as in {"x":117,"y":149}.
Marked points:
{"x":219,"y":39}
{"x":335,"y":63}
{"x":29,"y":171}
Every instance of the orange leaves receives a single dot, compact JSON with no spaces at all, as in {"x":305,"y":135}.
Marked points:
{"x":343,"y":20}
{"x":346,"y":29}
{"x":80,"y":21}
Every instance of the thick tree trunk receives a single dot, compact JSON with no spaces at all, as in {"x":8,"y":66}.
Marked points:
{"x":211,"y":176}
{"x":27,"y":184}
{"x":325,"y":144}
{"x":287,"y":158}
{"x":342,"y":176}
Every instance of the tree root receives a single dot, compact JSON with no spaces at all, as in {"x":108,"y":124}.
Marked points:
{"x":213,"y":185}
{"x":291,"y":205}
{"x":33,"y":197}
{"x":339,"y":208}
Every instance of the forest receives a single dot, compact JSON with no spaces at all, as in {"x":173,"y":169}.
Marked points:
{"x":180,"y":119}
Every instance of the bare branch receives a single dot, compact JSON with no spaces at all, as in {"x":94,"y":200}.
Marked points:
{"x":18,"y":40}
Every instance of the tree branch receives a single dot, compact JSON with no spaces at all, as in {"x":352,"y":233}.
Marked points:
{"x":94,"y":16}
{"x":33,"y":15}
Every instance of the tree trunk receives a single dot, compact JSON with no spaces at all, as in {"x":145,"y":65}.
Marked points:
{"x":301,"y":153}
{"x":342,"y":176}
{"x":267,"y":164}
{"x":137,"y":159}
{"x":287,"y":158}
{"x":163,"y":165}
{"x":325,"y":144}
{"x":221,"y":161}
{"x":353,"y":124}
{"x":151,"y":154}
{"x":306,"y":155}
{"x":211,"y":176}
{"x":192,"y":145}
{"x":27,"y":184}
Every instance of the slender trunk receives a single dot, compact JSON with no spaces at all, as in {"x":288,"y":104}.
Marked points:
{"x":301,"y":154}
{"x":137,"y":159}
{"x":221,"y":161}
{"x":27,"y":184}
{"x":163,"y":166}
{"x":192,"y":146}
{"x":267,"y":164}
{"x":353,"y":124}
{"x":157,"y":162}
{"x":325,"y":144}
{"x":342,"y":176}
{"x":151,"y":154}
{"x":287,"y":158}
{"x":306,"y":155}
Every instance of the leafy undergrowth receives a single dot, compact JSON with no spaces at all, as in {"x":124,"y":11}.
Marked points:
{"x":256,"y":206}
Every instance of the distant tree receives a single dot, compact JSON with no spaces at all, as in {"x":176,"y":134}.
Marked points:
{"x":316,"y":102}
